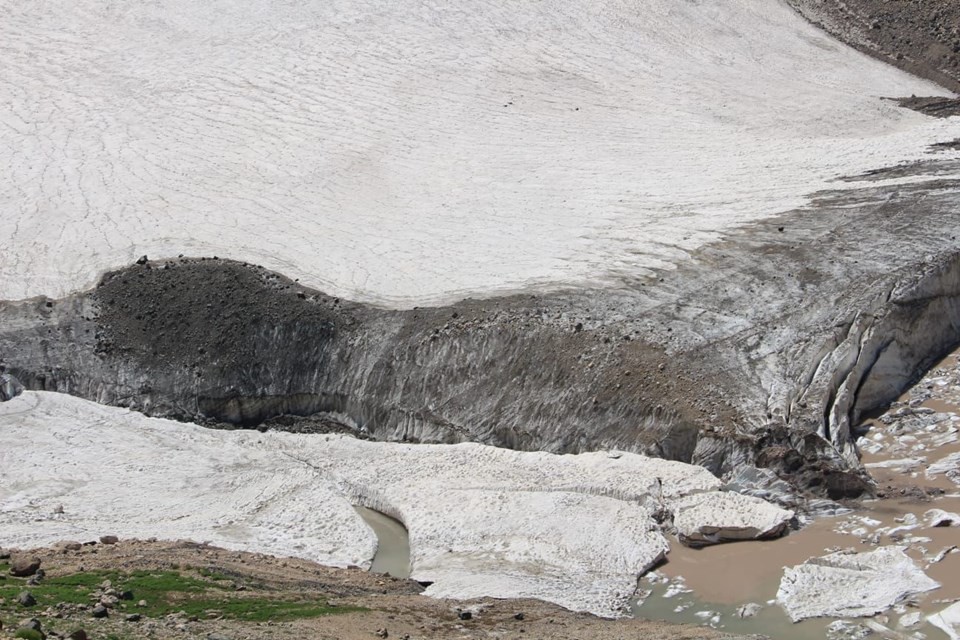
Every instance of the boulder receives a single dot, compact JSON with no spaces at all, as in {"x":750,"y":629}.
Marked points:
{"x":10,"y":387}
{"x":23,"y":567}
{"x":719,"y":516}
{"x":32,"y":623}
{"x":844,"y":585}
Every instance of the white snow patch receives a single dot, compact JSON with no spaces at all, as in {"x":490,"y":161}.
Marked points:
{"x":410,"y":152}
{"x":572,"y":529}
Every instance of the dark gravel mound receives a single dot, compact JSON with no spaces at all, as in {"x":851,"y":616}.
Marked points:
{"x":198,"y":311}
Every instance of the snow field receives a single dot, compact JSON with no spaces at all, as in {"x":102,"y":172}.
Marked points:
{"x":416,"y":152}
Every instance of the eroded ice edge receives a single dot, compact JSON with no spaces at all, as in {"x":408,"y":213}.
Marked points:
{"x":576,"y":530}
{"x":410,"y":152}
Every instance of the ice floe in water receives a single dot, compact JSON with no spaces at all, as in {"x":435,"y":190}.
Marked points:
{"x":851,"y":584}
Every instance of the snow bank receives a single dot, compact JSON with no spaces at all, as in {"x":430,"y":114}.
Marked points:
{"x":575,"y":530}
{"x":117,"y":472}
{"x":408,"y":152}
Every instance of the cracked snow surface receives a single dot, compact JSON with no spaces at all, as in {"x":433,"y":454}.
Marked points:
{"x":411,"y":152}
{"x":577,"y":530}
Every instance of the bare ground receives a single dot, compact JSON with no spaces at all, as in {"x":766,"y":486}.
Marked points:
{"x":390,"y":604}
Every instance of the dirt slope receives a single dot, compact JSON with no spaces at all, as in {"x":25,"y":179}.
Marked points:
{"x":390,"y":604}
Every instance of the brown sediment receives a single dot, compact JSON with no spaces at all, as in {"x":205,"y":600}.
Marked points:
{"x":385,"y":603}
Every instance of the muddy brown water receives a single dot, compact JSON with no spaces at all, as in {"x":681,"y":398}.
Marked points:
{"x":393,"y":543}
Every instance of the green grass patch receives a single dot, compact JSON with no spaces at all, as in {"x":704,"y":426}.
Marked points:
{"x":215,"y":575}
{"x":168,"y":592}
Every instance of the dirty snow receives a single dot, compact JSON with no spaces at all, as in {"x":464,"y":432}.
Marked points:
{"x":415,"y":151}
{"x":575,"y":530}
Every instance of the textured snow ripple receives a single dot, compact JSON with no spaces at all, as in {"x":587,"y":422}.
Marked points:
{"x":409,"y":152}
{"x":575,"y":530}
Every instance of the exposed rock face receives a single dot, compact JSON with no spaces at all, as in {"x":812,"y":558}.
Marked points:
{"x":763,"y":360}
{"x":10,"y":387}
{"x":851,"y":584}
{"x":703,"y":519}
{"x":937,"y":107}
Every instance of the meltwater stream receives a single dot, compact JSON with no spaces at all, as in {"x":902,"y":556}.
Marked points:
{"x":393,"y":543}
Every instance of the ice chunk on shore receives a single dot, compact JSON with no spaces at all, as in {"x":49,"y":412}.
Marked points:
{"x":948,"y":465}
{"x":941,"y":518}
